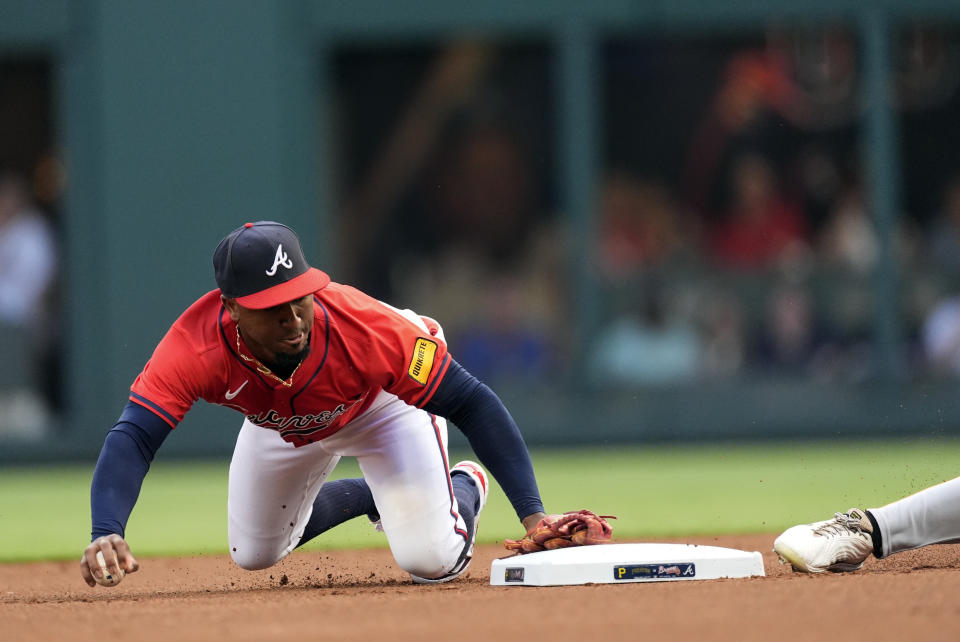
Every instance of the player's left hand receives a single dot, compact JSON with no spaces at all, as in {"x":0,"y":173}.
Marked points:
{"x":574,"y":528}
{"x":116,"y":554}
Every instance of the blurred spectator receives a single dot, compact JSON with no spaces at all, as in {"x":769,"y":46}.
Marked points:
{"x":475,"y":203}
{"x":503,"y":342}
{"x":27,"y":253}
{"x":27,"y":266}
{"x":848,"y":240}
{"x":763,"y":227}
{"x":724,"y":334}
{"x":941,"y":338}
{"x":820,"y":180}
{"x":640,"y":226}
{"x":752,"y":105}
{"x":944,"y":236}
{"x":481,"y":191}
{"x":789,"y":335}
{"x":647,"y":345}
{"x":477,"y":253}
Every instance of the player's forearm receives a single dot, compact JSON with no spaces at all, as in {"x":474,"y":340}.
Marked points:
{"x":116,"y":484}
{"x":124,"y":461}
{"x":493,"y":434}
{"x":495,"y":438}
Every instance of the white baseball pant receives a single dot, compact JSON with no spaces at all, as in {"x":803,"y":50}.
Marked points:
{"x":930,"y":516}
{"x":402,"y":452}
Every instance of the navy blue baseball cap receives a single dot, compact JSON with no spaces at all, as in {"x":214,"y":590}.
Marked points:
{"x":262,"y":265}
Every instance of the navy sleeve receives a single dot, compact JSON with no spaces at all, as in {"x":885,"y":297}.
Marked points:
{"x":124,"y":461}
{"x":493,"y":434}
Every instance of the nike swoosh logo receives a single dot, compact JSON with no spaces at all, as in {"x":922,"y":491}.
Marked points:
{"x":230,"y":394}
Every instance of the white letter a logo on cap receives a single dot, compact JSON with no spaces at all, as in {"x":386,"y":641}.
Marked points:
{"x":280,"y":259}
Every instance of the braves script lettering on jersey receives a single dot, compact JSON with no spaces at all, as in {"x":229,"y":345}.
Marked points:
{"x":359,"y":346}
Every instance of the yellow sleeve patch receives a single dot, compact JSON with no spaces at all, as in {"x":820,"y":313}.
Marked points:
{"x":422,"y":361}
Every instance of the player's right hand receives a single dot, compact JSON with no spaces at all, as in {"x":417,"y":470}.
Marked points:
{"x":115,"y":551}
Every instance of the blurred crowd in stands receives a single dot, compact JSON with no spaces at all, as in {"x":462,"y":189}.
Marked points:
{"x":754,"y":255}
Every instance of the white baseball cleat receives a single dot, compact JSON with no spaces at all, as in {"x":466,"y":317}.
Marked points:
{"x":479,"y":477}
{"x":837,"y":545}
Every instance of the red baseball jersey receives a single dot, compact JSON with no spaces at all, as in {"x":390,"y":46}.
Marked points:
{"x":359,"y":346}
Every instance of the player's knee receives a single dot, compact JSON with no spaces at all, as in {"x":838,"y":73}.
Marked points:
{"x":429,"y":564}
{"x":254,"y":558}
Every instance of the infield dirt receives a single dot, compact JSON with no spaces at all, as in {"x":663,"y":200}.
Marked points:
{"x":361,"y":595}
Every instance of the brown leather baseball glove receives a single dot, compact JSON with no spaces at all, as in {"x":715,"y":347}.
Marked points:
{"x":574,"y":528}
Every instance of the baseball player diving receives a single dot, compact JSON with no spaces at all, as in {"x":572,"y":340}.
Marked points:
{"x":319,"y":371}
